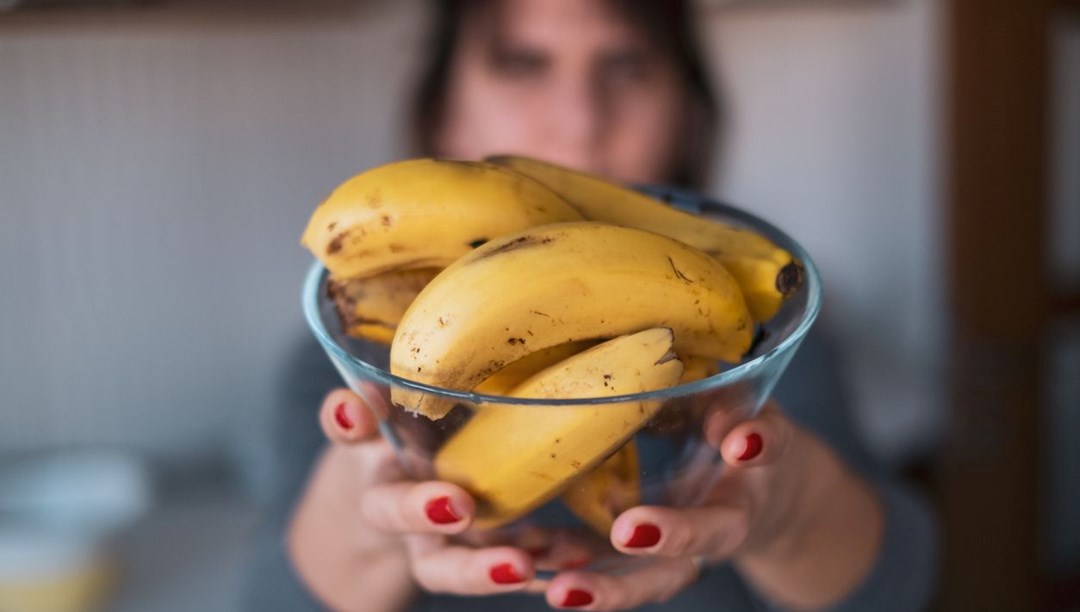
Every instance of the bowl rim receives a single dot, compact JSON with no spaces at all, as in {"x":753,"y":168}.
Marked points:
{"x":680,"y":198}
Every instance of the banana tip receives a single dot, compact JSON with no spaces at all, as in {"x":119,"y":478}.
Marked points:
{"x":666,"y":357}
{"x":790,"y":278}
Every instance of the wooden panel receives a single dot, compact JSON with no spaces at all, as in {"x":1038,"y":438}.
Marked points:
{"x":1066,"y":303}
{"x":997,"y":67}
{"x":1064,"y":594}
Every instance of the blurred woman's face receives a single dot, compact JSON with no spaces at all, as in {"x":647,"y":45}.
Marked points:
{"x":568,"y":81}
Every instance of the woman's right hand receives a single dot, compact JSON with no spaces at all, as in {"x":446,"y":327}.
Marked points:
{"x":363,"y":537}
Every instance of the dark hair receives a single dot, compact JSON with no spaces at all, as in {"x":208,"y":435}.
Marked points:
{"x":669,"y":25}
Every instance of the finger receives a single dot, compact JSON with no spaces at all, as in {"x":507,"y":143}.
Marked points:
{"x":565,"y":554}
{"x":714,"y":532}
{"x":426,"y":507}
{"x":534,"y":540}
{"x":657,"y":582}
{"x":346,"y":419}
{"x":759,"y":441}
{"x":721,"y":418}
{"x":458,"y":570}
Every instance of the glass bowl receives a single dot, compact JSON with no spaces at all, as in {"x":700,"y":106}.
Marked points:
{"x":671,"y":463}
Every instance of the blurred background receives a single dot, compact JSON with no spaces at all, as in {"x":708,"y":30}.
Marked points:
{"x":159,"y":159}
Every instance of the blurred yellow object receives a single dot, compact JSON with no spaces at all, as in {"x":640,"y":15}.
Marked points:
{"x":58,"y":514}
{"x":52,"y":572}
{"x":81,"y":591}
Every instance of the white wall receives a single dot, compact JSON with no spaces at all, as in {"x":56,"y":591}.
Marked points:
{"x":154,"y":176}
{"x":834,"y":137}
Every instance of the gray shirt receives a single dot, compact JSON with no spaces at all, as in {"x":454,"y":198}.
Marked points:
{"x":811,"y":392}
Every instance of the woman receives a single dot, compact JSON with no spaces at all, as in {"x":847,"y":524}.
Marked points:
{"x":799,"y":518}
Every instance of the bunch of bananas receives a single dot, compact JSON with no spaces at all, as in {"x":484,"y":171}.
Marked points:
{"x":518,"y":278}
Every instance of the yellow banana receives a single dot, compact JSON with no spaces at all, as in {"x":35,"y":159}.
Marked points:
{"x":607,"y":491}
{"x":766,"y":272}
{"x":560,"y":283}
{"x":614,"y":486}
{"x":512,"y":375}
{"x":697,"y":367}
{"x":370,"y":308}
{"x":513,"y":458}
{"x":611,"y":487}
{"x":765,"y":282}
{"x":424,"y":213}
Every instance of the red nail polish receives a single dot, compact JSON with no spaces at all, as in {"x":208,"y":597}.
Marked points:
{"x":505,"y":573}
{"x":342,"y":419}
{"x":440,"y":512}
{"x":644,"y":536}
{"x":575,"y":598}
{"x":753,"y":447}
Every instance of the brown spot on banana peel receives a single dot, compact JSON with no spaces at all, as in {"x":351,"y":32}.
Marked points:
{"x":479,"y":242}
{"x":492,"y":367}
{"x":790,"y":278}
{"x":336,"y":289}
{"x":344,"y":303}
{"x":521,"y":242}
{"x":374,"y":199}
{"x":336,"y":243}
{"x":677,"y":272}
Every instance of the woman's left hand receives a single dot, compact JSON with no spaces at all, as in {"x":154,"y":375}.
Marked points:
{"x":800,"y":527}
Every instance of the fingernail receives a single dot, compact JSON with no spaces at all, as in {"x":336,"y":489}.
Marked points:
{"x":505,"y":574}
{"x":440,"y":512}
{"x":575,"y":598}
{"x":753,"y":447}
{"x":342,"y":419}
{"x":644,"y":536}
